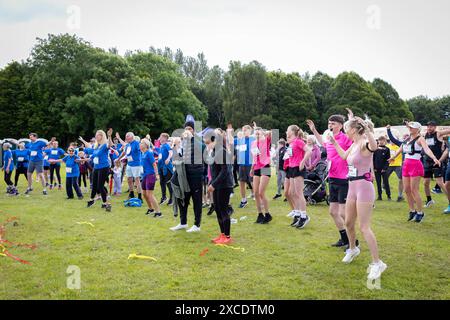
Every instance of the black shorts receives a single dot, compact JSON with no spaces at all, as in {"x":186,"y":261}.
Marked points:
{"x":244,"y":173}
{"x":436,"y":172}
{"x":295,"y":172}
{"x":266,"y":171}
{"x":338,"y":190}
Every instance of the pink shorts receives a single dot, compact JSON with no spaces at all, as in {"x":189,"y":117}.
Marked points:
{"x":361,"y":191}
{"x":412,"y":168}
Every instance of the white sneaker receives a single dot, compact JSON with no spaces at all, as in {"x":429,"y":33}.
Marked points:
{"x":233,"y":221}
{"x":351,"y":254}
{"x":194,"y":228}
{"x":430,"y":203}
{"x":291,"y":214}
{"x":179,"y":227}
{"x":375,"y":270}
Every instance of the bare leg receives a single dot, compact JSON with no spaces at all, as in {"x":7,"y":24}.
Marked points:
{"x":350,"y":221}
{"x":262,"y":193}
{"x":256,"y":181}
{"x":365,"y":214}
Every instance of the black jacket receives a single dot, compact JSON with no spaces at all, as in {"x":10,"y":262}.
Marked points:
{"x":381,"y":157}
{"x":221,"y":163}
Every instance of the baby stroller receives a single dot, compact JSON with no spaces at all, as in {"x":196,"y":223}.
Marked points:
{"x":315,"y":190}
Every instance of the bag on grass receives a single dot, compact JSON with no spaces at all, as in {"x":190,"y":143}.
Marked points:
{"x":133,"y":202}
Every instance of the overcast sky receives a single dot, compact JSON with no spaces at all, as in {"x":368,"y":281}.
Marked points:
{"x":405,"y":42}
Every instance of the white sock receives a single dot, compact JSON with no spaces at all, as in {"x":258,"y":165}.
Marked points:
{"x":297,"y":213}
{"x":303,"y":215}
{"x":244,"y":199}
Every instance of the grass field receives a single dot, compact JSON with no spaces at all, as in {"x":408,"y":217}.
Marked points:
{"x":279,"y":262}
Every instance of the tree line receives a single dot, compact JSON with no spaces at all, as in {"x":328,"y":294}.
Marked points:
{"x":67,"y":87}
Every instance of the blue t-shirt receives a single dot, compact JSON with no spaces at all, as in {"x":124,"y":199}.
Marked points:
{"x":147,"y":162}
{"x":54,"y":154}
{"x":36,"y":150}
{"x":243,"y":146}
{"x":72,"y":168}
{"x":100,"y":157}
{"x":133,"y":154}
{"x":163,"y":155}
{"x":22,"y":157}
{"x":6,"y":156}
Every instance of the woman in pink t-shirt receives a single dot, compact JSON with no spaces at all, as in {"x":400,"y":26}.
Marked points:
{"x":298,"y":153}
{"x":261,"y":172}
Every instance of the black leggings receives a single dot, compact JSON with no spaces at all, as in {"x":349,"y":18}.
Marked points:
{"x":82,"y":176}
{"x":99,"y":177}
{"x":183,"y":205}
{"x":385,"y":177}
{"x":165,"y":182}
{"x":7,"y":178}
{"x":55,"y":167}
{"x":19,"y":171}
{"x":221,"y":204}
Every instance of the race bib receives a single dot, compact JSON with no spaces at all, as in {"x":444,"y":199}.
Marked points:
{"x":128,"y":150}
{"x":55,"y":152}
{"x":243,"y":147}
{"x":287,"y":154}
{"x":130,"y":159}
{"x":33,"y":153}
{"x":255,"y":151}
{"x":392,"y":153}
{"x":69,"y":170}
{"x":430,"y":142}
{"x":20,"y":159}
{"x":352,"y":171}
{"x":160,"y":156}
{"x":46,"y":158}
{"x":407,"y":148}
{"x":96,"y":160}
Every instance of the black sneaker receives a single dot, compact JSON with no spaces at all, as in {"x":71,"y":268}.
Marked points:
{"x":170,"y":202}
{"x":277,"y":196}
{"x":243,"y":204}
{"x":157,"y":215}
{"x":399,"y":199}
{"x":260,"y":218}
{"x":108,"y":207}
{"x":44,"y":192}
{"x":267,"y":218}
{"x":303,"y":222}
{"x":149,"y":212}
{"x":90,"y":203}
{"x":339,"y":244}
{"x":285,"y":200}
{"x":412,"y":215}
{"x":295,"y":221}
{"x":131,"y":195}
{"x":211,"y":210}
{"x":104,"y":205}
{"x":419,"y":217}
{"x":163,"y":200}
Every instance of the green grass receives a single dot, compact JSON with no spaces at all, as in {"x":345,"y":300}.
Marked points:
{"x":279,"y":262}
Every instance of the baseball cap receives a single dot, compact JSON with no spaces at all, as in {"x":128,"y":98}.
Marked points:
{"x":432,"y":123}
{"x":414,"y":125}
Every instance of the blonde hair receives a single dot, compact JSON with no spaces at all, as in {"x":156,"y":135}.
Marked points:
{"x":146,"y":142}
{"x":361,"y":126}
{"x":297,"y":131}
{"x":104,"y":138}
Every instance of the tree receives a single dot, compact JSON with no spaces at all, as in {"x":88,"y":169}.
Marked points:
{"x":244,"y":92}
{"x":349,"y":90}
{"x":425,"y":109}
{"x":289,"y":100}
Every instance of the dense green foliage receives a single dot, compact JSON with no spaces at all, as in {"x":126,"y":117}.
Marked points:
{"x":67,"y":88}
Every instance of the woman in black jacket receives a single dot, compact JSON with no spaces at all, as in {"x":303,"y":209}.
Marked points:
{"x":220,"y":161}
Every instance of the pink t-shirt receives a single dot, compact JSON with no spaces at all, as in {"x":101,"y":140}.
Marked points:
{"x":260,"y":150}
{"x":339,"y":167}
{"x":298,"y":153}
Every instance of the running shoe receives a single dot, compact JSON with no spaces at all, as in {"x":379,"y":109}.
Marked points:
{"x":179,"y":227}
{"x":339,"y":244}
{"x":44,"y":192}
{"x":267,"y":218}
{"x":215,"y":240}
{"x":90,"y":203}
{"x":419,"y":217}
{"x":430,"y":203}
{"x":447,"y":211}
{"x":193,"y":229}
{"x":303,"y":222}
{"x":291,"y":214}
{"x":412,"y":215}
{"x":351,"y":254}
{"x":260,"y":218}
{"x":277,"y":196}
{"x":149,"y":212}
{"x":163,"y":200}
{"x":211,"y":210}
{"x":400,"y":199}
{"x":356,"y":244}
{"x":296,"y":221}
{"x":243,"y":204}
{"x":157,"y":215}
{"x":225,"y":240}
{"x":108,"y":207}
{"x":375,"y":270}
{"x":170,"y":202}
{"x":28,"y":191}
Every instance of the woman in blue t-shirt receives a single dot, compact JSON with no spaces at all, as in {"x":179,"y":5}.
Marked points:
{"x":149,"y":178}
{"x":22,"y":157}
{"x":72,"y":172}
{"x":54,"y":153}
{"x":8,"y":168}
{"x":100,"y":158}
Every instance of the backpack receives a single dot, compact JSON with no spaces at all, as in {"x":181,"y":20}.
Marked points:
{"x":133,"y":202}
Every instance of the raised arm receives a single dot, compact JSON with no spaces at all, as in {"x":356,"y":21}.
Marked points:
{"x":392,"y":138}
{"x":313,"y":129}
{"x":123,"y":143}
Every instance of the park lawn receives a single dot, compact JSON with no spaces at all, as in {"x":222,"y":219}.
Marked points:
{"x":279,"y":262}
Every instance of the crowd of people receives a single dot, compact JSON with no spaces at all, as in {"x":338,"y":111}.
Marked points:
{"x":206,"y":168}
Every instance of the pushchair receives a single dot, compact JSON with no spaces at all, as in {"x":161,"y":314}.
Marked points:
{"x":315,"y":190}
